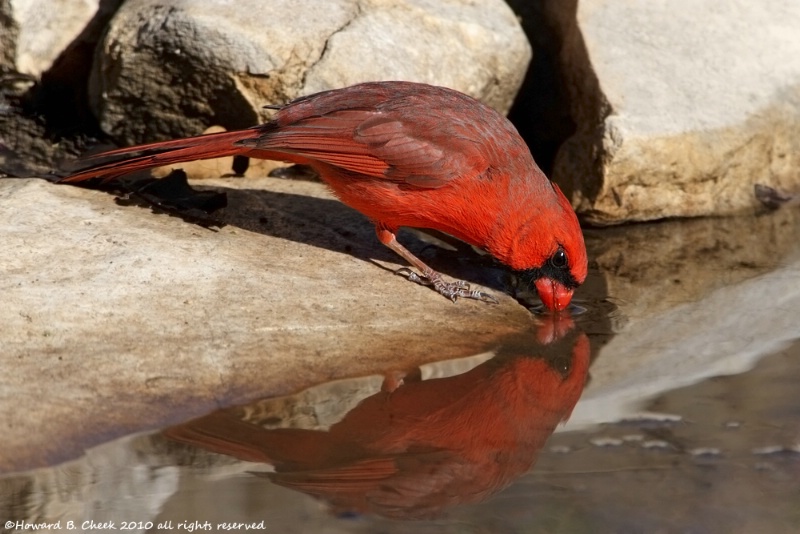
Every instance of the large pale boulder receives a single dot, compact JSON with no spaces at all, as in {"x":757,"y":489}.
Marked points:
{"x":681,"y":106}
{"x":167,"y":70}
{"x":34,"y":33}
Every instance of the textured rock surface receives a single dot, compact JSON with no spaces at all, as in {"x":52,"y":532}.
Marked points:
{"x":167,"y":70}
{"x":681,"y":106}
{"x":34,"y":33}
{"x":115,"y":319}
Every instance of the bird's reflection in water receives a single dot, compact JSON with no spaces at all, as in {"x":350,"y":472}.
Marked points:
{"x":416,"y":448}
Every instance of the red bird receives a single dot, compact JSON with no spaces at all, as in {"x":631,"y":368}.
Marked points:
{"x":423,"y":447}
{"x":410,"y":154}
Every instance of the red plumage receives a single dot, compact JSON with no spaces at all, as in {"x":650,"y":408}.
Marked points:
{"x":409,"y":154}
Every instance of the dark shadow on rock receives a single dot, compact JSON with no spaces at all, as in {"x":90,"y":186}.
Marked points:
{"x":330,"y":225}
{"x":319,"y":222}
{"x":61,"y":95}
{"x":560,"y":106}
{"x":47,"y":121}
{"x":541,"y":111}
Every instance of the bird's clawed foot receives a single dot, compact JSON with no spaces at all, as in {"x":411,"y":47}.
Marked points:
{"x":452,"y":290}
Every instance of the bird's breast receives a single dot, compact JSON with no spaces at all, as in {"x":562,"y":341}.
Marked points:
{"x":465,"y":209}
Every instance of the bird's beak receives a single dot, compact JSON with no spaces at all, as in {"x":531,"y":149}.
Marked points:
{"x":553,"y":294}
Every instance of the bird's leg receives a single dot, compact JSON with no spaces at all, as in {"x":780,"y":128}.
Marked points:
{"x":427,"y":276}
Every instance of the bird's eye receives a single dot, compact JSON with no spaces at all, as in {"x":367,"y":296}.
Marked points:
{"x":559,"y":259}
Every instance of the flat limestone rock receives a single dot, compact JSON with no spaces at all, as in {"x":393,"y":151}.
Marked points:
{"x":681,"y":106}
{"x":116,"y":320}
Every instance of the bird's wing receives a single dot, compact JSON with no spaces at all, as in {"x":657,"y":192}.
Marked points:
{"x":378,"y":144}
{"x":417,"y":484}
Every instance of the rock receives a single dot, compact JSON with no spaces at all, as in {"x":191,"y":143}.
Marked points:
{"x":46,"y":51}
{"x":116,"y":320}
{"x":681,"y":106}
{"x":172,"y":70}
{"x":35,"y":33}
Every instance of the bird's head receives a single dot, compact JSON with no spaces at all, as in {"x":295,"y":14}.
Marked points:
{"x":558,"y":277}
{"x":548,"y":251}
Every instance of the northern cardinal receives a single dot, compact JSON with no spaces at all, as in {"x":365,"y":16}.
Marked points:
{"x":423,"y":447}
{"x":409,"y":154}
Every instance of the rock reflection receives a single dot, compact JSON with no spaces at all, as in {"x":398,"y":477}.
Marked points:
{"x":418,"y":447}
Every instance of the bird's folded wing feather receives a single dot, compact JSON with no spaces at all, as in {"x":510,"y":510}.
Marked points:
{"x":379,"y":145}
{"x":401,"y":480}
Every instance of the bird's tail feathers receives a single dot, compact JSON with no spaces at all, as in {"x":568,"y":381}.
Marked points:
{"x":223,"y":433}
{"x":142,"y":157}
